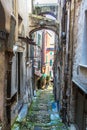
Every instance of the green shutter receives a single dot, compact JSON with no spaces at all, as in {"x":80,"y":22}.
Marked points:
{"x":50,"y":62}
{"x":50,"y":52}
{"x":39,"y":38}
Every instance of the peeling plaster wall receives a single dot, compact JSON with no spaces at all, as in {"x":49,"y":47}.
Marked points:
{"x":78,"y":34}
{"x":79,"y":72}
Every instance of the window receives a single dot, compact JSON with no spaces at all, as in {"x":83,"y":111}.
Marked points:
{"x":39,"y":38}
{"x":51,"y":53}
{"x":50,"y":73}
{"x":84,"y":43}
{"x":20,"y":26}
{"x":38,"y":64}
{"x":50,"y":62}
{"x":14,"y":6}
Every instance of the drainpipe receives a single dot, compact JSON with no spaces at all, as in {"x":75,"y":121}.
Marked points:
{"x":73,"y":33}
{"x":72,"y":56}
{"x":70,"y":63}
{"x":68,"y":99}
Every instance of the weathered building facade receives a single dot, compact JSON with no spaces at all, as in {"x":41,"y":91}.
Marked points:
{"x":71,"y":59}
{"x":79,"y":64}
{"x":15,"y":65}
{"x":7,"y":27}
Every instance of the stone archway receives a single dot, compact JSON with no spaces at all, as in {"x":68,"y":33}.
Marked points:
{"x":39,"y":22}
{"x":40,"y":28}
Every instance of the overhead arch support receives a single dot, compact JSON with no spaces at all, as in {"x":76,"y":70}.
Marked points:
{"x":39,"y":22}
{"x":40,"y":28}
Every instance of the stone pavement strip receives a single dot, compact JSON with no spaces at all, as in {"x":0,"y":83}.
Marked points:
{"x":42,"y":114}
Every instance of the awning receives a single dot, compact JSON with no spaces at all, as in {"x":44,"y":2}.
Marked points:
{"x":5,"y":15}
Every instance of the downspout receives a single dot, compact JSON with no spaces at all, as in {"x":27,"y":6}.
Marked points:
{"x":71,"y":54}
{"x":72,"y":57}
{"x":68,"y":102}
{"x":73,"y":35}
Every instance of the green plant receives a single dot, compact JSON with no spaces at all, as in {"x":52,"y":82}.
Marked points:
{"x":47,"y":79}
{"x":43,"y":81}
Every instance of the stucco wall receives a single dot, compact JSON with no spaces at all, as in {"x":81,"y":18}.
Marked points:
{"x":24,"y":8}
{"x":79,"y":72}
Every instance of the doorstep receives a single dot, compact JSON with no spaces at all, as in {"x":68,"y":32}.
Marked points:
{"x":22,"y":114}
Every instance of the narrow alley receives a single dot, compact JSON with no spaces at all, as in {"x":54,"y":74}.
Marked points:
{"x":43,"y":114}
{"x":43,"y":42}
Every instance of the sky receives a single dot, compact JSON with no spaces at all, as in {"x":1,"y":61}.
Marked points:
{"x":45,"y":1}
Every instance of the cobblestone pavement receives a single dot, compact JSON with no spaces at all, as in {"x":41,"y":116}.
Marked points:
{"x":42,"y":115}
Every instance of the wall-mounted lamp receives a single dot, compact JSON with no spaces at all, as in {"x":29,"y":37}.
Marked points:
{"x":18,"y":48}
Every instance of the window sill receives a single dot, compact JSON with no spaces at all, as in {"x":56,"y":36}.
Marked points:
{"x":84,"y":66}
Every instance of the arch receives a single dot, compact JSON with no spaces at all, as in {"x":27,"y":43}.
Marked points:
{"x":48,"y":12}
{"x":38,"y":22}
{"x":40,"y":28}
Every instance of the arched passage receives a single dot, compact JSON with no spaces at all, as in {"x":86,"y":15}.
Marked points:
{"x":38,"y":23}
{"x":40,"y":28}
